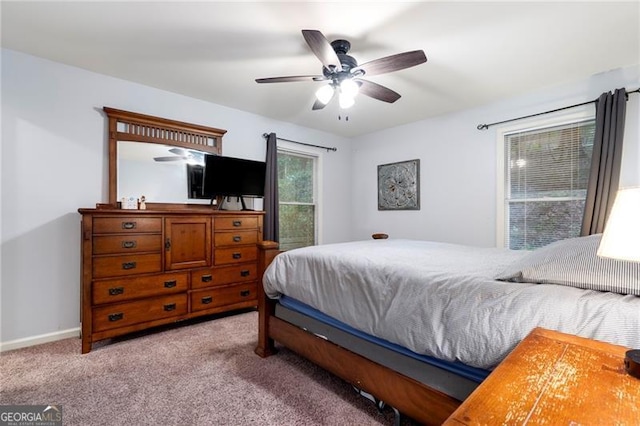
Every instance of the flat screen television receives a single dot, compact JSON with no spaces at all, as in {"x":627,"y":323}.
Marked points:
{"x":229,"y":176}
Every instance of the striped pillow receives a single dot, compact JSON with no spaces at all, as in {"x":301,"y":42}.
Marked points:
{"x":573,"y":262}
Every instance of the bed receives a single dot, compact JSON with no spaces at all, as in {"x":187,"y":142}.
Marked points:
{"x":418,"y":325}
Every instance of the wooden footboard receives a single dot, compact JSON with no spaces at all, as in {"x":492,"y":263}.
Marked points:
{"x":409,"y":396}
{"x":267,"y":251}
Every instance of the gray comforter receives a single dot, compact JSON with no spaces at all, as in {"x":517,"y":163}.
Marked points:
{"x":441,"y":299}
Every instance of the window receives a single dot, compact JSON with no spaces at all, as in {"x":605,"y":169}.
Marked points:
{"x":546,"y":173}
{"x":297,"y":199}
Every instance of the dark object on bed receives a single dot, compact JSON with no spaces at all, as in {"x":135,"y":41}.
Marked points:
{"x":379,"y":236}
{"x":632,"y":362}
{"x":417,"y":400}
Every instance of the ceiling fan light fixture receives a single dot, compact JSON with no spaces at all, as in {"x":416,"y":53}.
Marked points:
{"x":349,"y":88}
{"x":193,"y":161}
{"x":324,"y":94}
{"x":346,"y":101}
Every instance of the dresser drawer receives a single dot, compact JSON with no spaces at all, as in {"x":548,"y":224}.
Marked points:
{"x":226,"y":275}
{"x":119,"y":225}
{"x":235,"y":222}
{"x":227,"y":256}
{"x":110,"y":291}
{"x":235,"y":238}
{"x":222,"y":296}
{"x":135,"y":243}
{"x":125,"y":314}
{"x":118,"y":266}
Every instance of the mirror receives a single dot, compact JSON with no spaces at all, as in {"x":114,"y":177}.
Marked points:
{"x":151,"y":156}
{"x":162,"y":173}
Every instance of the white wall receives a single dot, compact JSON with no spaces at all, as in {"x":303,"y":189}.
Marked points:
{"x":54,"y":161}
{"x":458,"y":163}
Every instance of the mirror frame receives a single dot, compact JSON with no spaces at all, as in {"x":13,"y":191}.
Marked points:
{"x":135,"y":127}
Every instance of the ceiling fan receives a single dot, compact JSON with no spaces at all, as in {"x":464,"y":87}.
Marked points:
{"x":345,"y":75}
{"x":181,"y":154}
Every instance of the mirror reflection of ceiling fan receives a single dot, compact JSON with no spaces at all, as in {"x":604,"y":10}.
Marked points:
{"x":181,"y":154}
{"x":345,"y":75}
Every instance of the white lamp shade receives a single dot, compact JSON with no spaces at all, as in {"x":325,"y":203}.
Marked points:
{"x":621,"y":238}
{"x":324,"y":94}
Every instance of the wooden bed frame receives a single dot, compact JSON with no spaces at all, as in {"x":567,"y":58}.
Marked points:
{"x":412,"y":398}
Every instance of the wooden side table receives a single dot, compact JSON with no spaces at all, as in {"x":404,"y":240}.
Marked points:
{"x":555,"y":379}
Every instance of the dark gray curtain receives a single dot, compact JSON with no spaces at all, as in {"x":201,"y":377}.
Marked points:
{"x":271,"y":224}
{"x":605,"y":163}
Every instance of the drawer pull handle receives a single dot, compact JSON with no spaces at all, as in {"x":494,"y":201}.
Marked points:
{"x":116,"y":317}
{"x":114,"y":291}
{"x":129,"y":244}
{"x":237,"y":238}
{"x":206,"y":278}
{"x":129,"y":265}
{"x":245,"y":273}
{"x":128,"y":225}
{"x":170,"y":284}
{"x":236,"y":255}
{"x":245,"y":293}
{"x":169,"y":307}
{"x":237,"y":223}
{"x":207,"y":300}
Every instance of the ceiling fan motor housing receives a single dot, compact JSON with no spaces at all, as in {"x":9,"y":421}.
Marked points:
{"x":341,"y":47}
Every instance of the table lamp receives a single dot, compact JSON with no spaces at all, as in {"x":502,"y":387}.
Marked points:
{"x":621,"y":237}
{"x":621,"y":240}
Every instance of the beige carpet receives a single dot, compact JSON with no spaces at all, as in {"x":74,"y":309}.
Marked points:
{"x":204,"y":373}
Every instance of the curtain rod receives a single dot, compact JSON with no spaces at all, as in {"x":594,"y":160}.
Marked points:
{"x":486,"y":126}
{"x":266,"y":135}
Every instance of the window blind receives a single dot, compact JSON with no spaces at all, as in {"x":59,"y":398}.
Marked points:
{"x":547,"y":176}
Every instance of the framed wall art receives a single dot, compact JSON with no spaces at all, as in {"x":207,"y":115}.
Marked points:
{"x":399,"y":185}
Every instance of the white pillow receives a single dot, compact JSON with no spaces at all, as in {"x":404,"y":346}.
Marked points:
{"x":573,"y":262}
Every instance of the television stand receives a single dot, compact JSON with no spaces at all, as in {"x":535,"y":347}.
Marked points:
{"x":224,"y":199}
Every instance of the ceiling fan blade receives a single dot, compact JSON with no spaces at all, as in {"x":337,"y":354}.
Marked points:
{"x":393,"y":63}
{"x":321,"y":47}
{"x":178,"y":151}
{"x":172,"y":158}
{"x":291,"y":78}
{"x":376,"y":91}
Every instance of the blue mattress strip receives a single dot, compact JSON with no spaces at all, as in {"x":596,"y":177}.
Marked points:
{"x":475,"y":374}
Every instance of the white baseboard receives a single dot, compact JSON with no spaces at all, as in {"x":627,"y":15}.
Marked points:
{"x":38,"y":340}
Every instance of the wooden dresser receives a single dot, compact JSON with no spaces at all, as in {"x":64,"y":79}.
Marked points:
{"x":143,"y":268}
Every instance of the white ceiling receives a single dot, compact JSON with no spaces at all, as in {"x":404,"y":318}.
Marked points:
{"x":478,"y":52}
